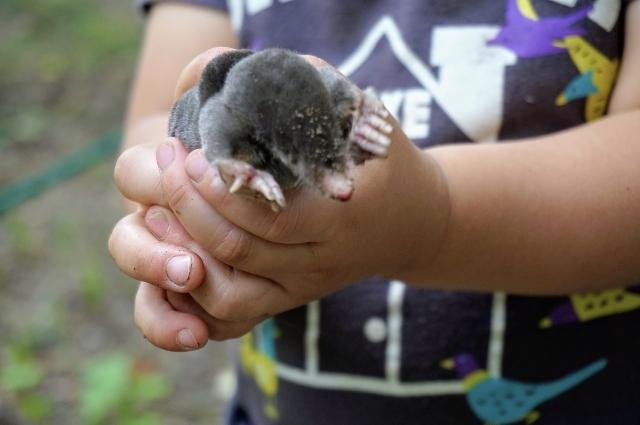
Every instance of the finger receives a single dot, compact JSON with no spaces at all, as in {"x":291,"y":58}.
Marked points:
{"x":219,"y":330}
{"x":225,"y":241}
{"x":141,"y":256}
{"x":191,"y":73}
{"x":308,"y":217}
{"x":232,"y":295}
{"x":164,"y":225}
{"x":137,"y":175}
{"x":226,"y":293}
{"x":165,"y":327}
{"x":316,"y":61}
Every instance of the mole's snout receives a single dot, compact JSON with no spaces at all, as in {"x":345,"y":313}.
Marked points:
{"x":337,"y":186}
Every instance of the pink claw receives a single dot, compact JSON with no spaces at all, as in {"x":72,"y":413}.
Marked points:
{"x":259,"y":181}
{"x":370,"y":130}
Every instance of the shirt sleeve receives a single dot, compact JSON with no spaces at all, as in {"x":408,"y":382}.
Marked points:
{"x":145,"y":5}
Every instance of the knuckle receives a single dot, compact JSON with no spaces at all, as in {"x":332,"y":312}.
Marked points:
{"x":149,"y":268}
{"x":115,"y":246}
{"x":235,"y":247}
{"x":228,"y":303}
{"x":324,"y":268}
{"x":178,"y":197}
{"x":112,"y":242}
{"x":316,"y":279}
{"x":122,"y":169}
{"x":134,"y":267}
{"x":226,"y":331}
{"x":228,"y":309}
{"x":284,"y":224}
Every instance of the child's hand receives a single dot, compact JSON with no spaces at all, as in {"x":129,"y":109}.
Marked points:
{"x":315,"y":246}
{"x":278,"y":261}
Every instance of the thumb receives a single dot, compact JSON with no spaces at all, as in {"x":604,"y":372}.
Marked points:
{"x":191,"y":73}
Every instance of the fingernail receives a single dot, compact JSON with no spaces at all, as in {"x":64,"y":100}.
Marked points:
{"x":186,"y":339}
{"x":164,"y":155}
{"x":179,"y":269}
{"x":196,"y":166}
{"x":157,"y":223}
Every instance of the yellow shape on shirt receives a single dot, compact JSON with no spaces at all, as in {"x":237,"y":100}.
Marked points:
{"x":597,"y":304}
{"x":586,"y":57}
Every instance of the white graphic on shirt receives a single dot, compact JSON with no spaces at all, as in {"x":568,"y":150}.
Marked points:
{"x":393,"y":350}
{"x":605,"y":12}
{"x":569,"y":3}
{"x":237,"y":9}
{"x":312,"y":376}
{"x":458,"y":92}
{"x":236,"y":13}
{"x":474,"y":98}
{"x":412,"y":107}
{"x":257,"y":6}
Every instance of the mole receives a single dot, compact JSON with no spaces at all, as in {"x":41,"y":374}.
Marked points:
{"x":271,"y":121}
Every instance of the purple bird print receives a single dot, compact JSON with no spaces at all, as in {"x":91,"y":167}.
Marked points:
{"x":529,"y":38}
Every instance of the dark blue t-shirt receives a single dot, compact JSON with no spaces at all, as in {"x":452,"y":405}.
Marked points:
{"x":381,"y":352}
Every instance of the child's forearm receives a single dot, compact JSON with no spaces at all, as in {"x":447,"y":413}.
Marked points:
{"x":555,"y":214}
{"x":175,"y":33}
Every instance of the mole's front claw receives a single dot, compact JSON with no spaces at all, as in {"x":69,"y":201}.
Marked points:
{"x":370,"y":130}
{"x":257,"y":182}
{"x":264,"y":183}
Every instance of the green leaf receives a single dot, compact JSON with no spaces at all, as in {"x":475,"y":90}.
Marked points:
{"x":147,"y":418}
{"x":150,"y":387}
{"x":105,"y":387}
{"x":19,"y":235}
{"x":92,"y":286}
{"x":34,"y":407}
{"x":20,"y":371}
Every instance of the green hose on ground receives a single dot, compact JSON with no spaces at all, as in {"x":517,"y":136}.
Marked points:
{"x":61,"y":170}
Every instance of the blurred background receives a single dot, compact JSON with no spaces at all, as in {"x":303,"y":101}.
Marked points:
{"x":69,"y":351}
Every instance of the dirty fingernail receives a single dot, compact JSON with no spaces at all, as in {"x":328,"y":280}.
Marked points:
{"x":196,"y":166}
{"x":164,"y":155}
{"x":157,"y":223}
{"x":179,"y":269}
{"x":186,"y":339}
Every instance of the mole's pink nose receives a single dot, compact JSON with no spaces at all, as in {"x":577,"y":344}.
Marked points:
{"x":337,"y":186}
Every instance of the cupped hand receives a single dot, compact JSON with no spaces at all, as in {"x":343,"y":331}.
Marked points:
{"x":150,"y":245}
{"x":259,"y":263}
{"x":144,"y":245}
{"x":316,"y":245}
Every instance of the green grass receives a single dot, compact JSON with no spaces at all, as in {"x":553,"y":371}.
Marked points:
{"x":53,"y":54}
{"x":115,"y":392}
{"x":55,"y":38}
{"x":65,"y":69}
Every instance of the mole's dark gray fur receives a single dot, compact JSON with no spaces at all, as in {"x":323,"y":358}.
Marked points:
{"x":276,"y":112}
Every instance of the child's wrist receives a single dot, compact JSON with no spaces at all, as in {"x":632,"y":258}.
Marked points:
{"x":430,"y":220}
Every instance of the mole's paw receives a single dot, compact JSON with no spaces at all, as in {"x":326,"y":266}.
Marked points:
{"x":241,"y":174}
{"x":371,"y":130}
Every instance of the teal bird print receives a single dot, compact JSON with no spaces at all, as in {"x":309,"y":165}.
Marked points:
{"x":581,"y":86}
{"x":596,"y":79}
{"x":498,"y":401}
